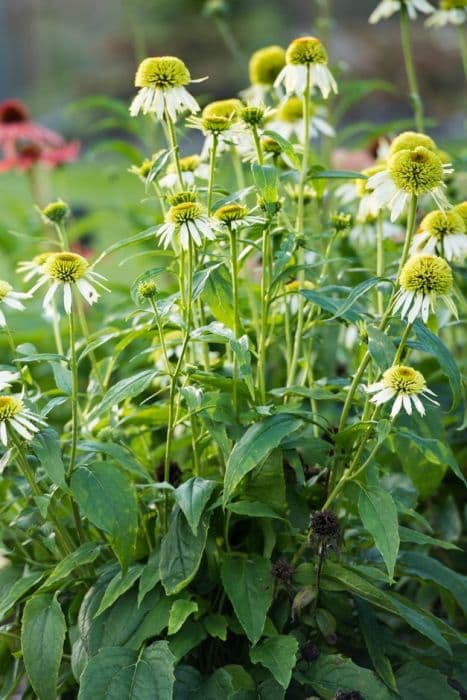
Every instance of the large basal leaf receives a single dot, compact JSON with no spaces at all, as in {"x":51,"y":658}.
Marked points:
{"x":379,"y":516}
{"x":181,"y":552}
{"x":254,"y":446}
{"x":192,"y":497}
{"x":46,"y":447}
{"x":249,"y":585}
{"x":108,"y":500}
{"x":117,"y":673}
{"x":279,"y":655}
{"x":42,"y":635}
{"x":418,"y":682}
{"x":328,"y":674}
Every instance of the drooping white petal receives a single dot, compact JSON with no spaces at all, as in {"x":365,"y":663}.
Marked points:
{"x":67,"y":297}
{"x":87,"y":291}
{"x":3,"y":433}
{"x":407,"y":404}
{"x":49,"y":295}
{"x":396,"y":407}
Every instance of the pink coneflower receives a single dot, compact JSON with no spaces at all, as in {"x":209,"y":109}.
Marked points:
{"x":29,"y":154}
{"x":16,"y":125}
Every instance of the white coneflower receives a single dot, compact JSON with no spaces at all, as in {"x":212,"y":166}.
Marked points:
{"x":264,"y":67}
{"x":188,"y":220}
{"x":236,"y":216}
{"x":424,"y":279}
{"x":162,"y":80}
{"x":404,"y":385}
{"x":442,"y":233}
{"x":68,"y":269}
{"x":289,"y":121}
{"x":192,"y":168}
{"x":15,"y":416}
{"x":10,"y":298}
{"x":218,"y":120}
{"x":418,"y":171}
{"x":387,"y":8}
{"x":306,"y":63}
{"x":7,"y":378}
{"x":360,"y":190}
{"x":32,"y":268}
{"x":449,"y":12}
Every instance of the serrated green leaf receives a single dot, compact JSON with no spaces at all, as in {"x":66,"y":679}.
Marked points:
{"x":179,"y":612}
{"x":433,"y":345}
{"x":279,"y":655}
{"x":181,"y":552}
{"x":379,"y":516}
{"x":418,"y":682}
{"x":330,"y":673}
{"x":254,"y":446}
{"x":249,"y":585}
{"x":108,"y":500}
{"x":84,"y":554}
{"x":121,"y":583}
{"x":193,"y":497}
{"x":46,"y":447}
{"x":116,"y":673}
{"x":42,"y":636}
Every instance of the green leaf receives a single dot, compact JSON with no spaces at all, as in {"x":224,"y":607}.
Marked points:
{"x":108,"y":500}
{"x":187,"y":639}
{"x":357,"y":292}
{"x":433,"y":345}
{"x":427,"y":625}
{"x":125,"y":389}
{"x":193,"y":497}
{"x":120,"y":454}
{"x":218,"y":296}
{"x":254,"y":446}
{"x":10,"y":596}
{"x":85,"y":554}
{"x":46,"y":447}
{"x":433,"y":451}
{"x":374,"y":641}
{"x":418,"y":682}
{"x":279,"y":655}
{"x":319,"y":173}
{"x":121,"y":583}
{"x":42,"y":635}
{"x":152,"y":625}
{"x":249,"y":585}
{"x":179,"y":612}
{"x":181,"y":552}
{"x":328,"y":674}
{"x":379,"y":516}
{"x":265,"y":178}
{"x":266,"y":483}
{"x":286,"y":146}
{"x":62,"y":376}
{"x":329,"y":304}
{"x":150,"y":577}
{"x":406,"y":534}
{"x":216,"y":626}
{"x":380,"y":347}
{"x":253,"y":509}
{"x":116,"y":673}
{"x":429,"y":569}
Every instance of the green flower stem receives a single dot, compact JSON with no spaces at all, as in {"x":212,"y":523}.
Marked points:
{"x":379,"y":262}
{"x":74,"y":394}
{"x":402,"y":343}
{"x":259,"y":148}
{"x":410,"y":69}
{"x":411,"y":220}
{"x":238,"y":169}
{"x":161,"y":334}
{"x":85,"y":331}
{"x":229,"y":39}
{"x":56,"y":327}
{"x":187,"y":307}
{"x":212,"y":168}
{"x":12,"y":346}
{"x":265,"y":282}
{"x":461,"y":38}
{"x":66,"y":543}
{"x":234,"y":273}
{"x":62,"y":236}
{"x":175,"y":148}
{"x":299,"y":231}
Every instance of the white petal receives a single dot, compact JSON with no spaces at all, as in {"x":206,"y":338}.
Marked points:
{"x":407,"y":404}
{"x":49,"y":295}
{"x":87,"y":291}
{"x":67,"y":297}
{"x":396,"y":406}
